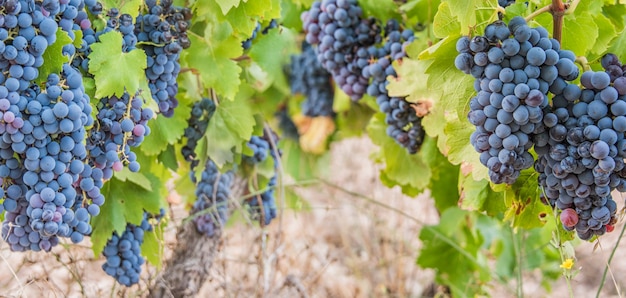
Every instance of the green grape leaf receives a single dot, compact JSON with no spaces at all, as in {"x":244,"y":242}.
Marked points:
{"x":451,"y":106}
{"x":456,"y":243}
{"x":606,"y":33}
{"x":400,"y":166}
{"x":580,"y":23}
{"x":423,"y":10}
{"x":125,"y":203}
{"x":478,"y":195}
{"x":618,"y":44}
{"x":130,"y":7}
{"x":353,"y":121}
{"x":116,"y":72}
{"x":411,"y":81}
{"x":271,"y":52}
{"x":168,"y":158}
{"x":90,"y":89}
{"x":184,"y":186}
{"x":212,"y":56}
{"x":457,"y":87}
{"x":472,"y":12}
{"x":137,"y":178}
{"x":615,"y":13}
{"x":302,"y":165}
{"x":380,"y":9}
{"x":406,"y":189}
{"x":153,"y":243}
{"x":165,"y":131}
{"x":295,"y":202}
{"x":290,"y":15}
{"x":460,"y":150}
{"x":445,"y":23}
{"x":444,"y":176}
{"x":78,"y":38}
{"x":53,"y":56}
{"x":226,"y":5}
{"x":231,"y":126}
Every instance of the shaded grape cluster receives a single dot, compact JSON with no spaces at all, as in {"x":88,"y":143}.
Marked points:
{"x":247,"y":44}
{"x":404,"y":125}
{"x":263,"y":207}
{"x":308,"y":77}
{"x":340,"y":32}
{"x":515,"y":67}
{"x":123,"y":252}
{"x":198,"y":121}
{"x":583,"y":160}
{"x":210,"y":210}
{"x":286,"y":125}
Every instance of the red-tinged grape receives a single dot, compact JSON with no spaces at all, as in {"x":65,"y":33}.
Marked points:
{"x":569,"y":217}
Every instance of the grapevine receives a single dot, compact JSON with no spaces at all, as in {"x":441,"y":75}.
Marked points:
{"x":509,"y":115}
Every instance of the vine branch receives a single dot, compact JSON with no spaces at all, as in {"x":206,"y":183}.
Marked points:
{"x":558,"y":11}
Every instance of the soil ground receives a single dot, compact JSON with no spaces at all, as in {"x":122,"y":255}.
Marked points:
{"x":352,"y":242}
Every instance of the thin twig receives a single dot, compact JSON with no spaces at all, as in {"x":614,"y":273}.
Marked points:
{"x":606,"y":268}
{"x":538,"y":12}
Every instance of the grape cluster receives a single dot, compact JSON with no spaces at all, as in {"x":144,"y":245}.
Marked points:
{"x":164,"y":28}
{"x":583,"y":160}
{"x":42,"y":157}
{"x":121,"y":124}
{"x":342,"y":36}
{"x":123,"y":253}
{"x":404,"y":125}
{"x":121,"y":121}
{"x":515,"y":66}
{"x":210,"y":210}
{"x":247,"y":44}
{"x":260,"y":147}
{"x":286,"y":125}
{"x":26,"y":30}
{"x":308,"y":77}
{"x":201,"y":113}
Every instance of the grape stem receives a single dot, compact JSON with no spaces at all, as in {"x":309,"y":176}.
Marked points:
{"x":538,"y":12}
{"x":558,"y":11}
{"x":582,"y":60}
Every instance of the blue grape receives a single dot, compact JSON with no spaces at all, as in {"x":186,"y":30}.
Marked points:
{"x":210,"y":210}
{"x":346,"y":38}
{"x":308,"y":77}
{"x":122,"y":252}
